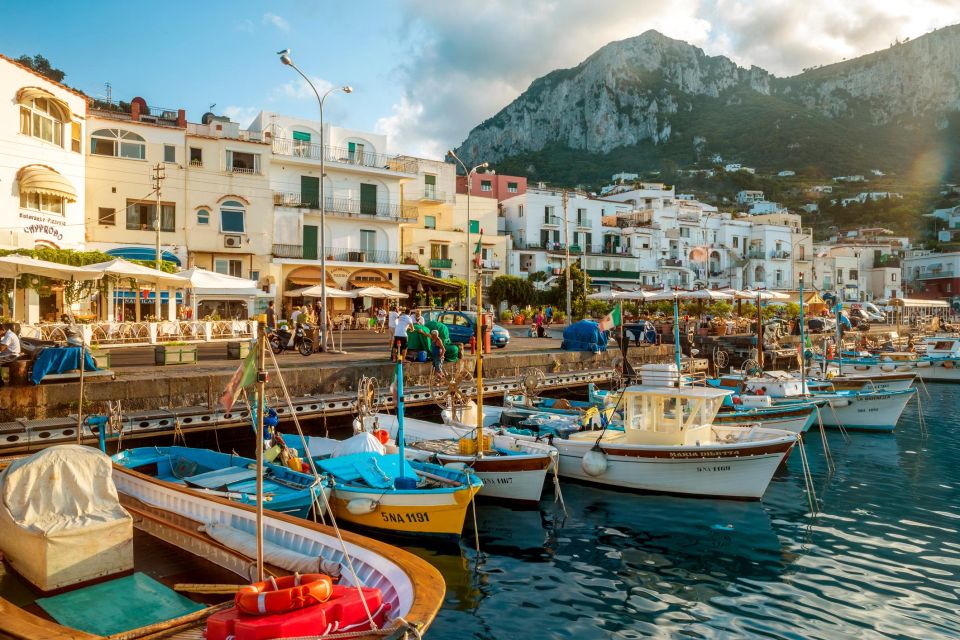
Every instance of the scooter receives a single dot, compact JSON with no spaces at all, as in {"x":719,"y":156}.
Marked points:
{"x":296,"y":340}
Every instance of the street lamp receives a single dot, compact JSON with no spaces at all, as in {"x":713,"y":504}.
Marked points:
{"x":482,"y":165}
{"x":285,"y":59}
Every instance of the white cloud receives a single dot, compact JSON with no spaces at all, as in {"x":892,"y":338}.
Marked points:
{"x":272,"y":19}
{"x":243,"y":115}
{"x":457,"y":72}
{"x":298,"y":89}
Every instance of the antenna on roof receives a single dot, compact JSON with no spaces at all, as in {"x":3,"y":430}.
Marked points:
{"x":109,"y":90}
{"x":212,"y":106}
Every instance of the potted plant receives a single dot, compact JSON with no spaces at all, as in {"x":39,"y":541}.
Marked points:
{"x":175,"y":353}
{"x":506,"y":316}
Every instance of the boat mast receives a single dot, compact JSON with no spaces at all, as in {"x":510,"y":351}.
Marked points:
{"x":480,"y":359}
{"x":803,"y":343}
{"x":400,"y":438}
{"x":676,"y":335}
{"x":759,"y":331}
{"x":261,"y":395}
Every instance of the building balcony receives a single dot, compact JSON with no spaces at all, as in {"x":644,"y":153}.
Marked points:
{"x":936,"y":273}
{"x":613,"y":274}
{"x":670,"y":262}
{"x":553,"y":221}
{"x":288,"y":251}
{"x":780,"y":255}
{"x":428,"y":194}
{"x":756,"y":254}
{"x":441,"y":263}
{"x":378,"y":256}
{"x":490,"y":264}
{"x":885,"y":261}
{"x":347,"y":207}
{"x":575,"y":248}
{"x":343,"y":157}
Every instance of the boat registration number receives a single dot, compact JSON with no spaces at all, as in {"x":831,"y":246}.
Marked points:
{"x":404,"y":518}
{"x":716,"y":467}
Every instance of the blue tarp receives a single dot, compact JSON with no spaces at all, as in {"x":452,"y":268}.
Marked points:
{"x":59,"y":360}
{"x":584,"y":336}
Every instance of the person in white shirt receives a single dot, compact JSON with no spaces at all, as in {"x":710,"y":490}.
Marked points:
{"x":392,"y":320}
{"x":9,"y":344}
{"x":293,"y":316}
{"x":404,"y":324}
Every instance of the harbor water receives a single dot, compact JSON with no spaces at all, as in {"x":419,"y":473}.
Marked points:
{"x":880,"y":560}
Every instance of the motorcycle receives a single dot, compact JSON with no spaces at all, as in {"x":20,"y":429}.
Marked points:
{"x":296,"y":340}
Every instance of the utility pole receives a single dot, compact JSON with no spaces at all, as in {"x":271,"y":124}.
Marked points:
{"x":158,"y":177}
{"x":566,"y":251}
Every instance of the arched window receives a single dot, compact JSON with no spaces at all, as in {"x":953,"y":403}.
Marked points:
{"x":203,"y":216}
{"x":232,"y":216}
{"x":118,"y":143}
{"x":43,"y":118}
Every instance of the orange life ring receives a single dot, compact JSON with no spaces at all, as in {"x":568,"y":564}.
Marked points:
{"x":278,"y":595}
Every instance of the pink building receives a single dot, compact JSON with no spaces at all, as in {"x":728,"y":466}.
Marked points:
{"x":492,"y":185}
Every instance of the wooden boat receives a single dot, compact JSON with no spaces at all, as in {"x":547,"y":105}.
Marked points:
{"x":871,"y":381}
{"x":511,"y":468}
{"x":186,"y":529}
{"x":367,"y":490}
{"x":669,"y":444}
{"x":229,"y":476}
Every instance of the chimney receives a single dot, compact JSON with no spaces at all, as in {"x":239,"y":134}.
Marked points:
{"x":135,"y":111}
{"x":181,"y":118}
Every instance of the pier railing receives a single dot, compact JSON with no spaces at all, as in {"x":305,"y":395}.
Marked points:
{"x":115,"y":334}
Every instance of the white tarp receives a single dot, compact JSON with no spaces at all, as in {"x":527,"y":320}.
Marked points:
{"x":61,"y":521}
{"x":362,"y":442}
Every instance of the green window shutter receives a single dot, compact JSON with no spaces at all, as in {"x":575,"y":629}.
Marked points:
{"x":301,"y":136}
{"x":368,"y":198}
{"x":351,"y":147}
{"x":310,"y":191}
{"x":429,"y":179}
{"x":310,"y":242}
{"x":474,"y":226}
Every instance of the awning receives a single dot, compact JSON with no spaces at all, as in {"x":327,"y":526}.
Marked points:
{"x":142,"y":253}
{"x":32,"y":93}
{"x":13,"y":265}
{"x":38,"y":178}
{"x":359,"y":283}
{"x":210,"y":283}
{"x":428,"y":282}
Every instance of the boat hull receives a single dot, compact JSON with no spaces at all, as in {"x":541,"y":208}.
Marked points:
{"x":798,"y":420}
{"x":405,"y":512}
{"x":740,"y":471}
{"x":863,"y":411}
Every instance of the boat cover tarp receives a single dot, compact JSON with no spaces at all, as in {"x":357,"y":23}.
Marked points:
{"x":246,"y":543}
{"x":60,"y":519}
{"x":363,"y":442}
{"x":584,"y":336}
{"x":374,"y":470}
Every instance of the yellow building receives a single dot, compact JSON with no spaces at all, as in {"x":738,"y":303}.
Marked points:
{"x":443,"y":240}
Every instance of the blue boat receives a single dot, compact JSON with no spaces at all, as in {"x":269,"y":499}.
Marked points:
{"x":228,"y":476}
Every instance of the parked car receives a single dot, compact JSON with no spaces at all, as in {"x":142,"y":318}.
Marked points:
{"x":874,"y":314}
{"x":463,"y":324}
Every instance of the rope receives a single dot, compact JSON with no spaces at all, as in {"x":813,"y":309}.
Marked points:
{"x":843,"y":431}
{"x":826,"y":447}
{"x":807,"y":476}
{"x":323,"y":494}
{"x":473,"y":506}
{"x":555,"y":463}
{"x":398,"y":624}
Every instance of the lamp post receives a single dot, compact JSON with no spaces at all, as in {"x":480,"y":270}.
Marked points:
{"x":285,"y":59}
{"x":482,"y":165}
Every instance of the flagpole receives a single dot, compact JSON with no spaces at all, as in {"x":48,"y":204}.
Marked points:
{"x":676,"y":334}
{"x":803,"y":345}
{"x":261,"y":395}
{"x":480,"y":344}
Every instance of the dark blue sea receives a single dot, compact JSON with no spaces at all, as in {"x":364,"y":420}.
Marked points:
{"x":880,"y":560}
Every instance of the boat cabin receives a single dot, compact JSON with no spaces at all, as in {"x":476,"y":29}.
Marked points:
{"x":775,"y":384}
{"x":943,"y":347}
{"x":655,"y":415}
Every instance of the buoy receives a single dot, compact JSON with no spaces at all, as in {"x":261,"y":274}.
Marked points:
{"x":382,"y":436}
{"x":457,"y":466}
{"x":362,"y":506}
{"x":594,"y":462}
{"x":839,"y":402}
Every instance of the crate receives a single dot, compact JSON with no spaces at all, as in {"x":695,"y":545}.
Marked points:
{"x":178,"y":354}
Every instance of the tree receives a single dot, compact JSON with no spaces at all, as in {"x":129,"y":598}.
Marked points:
{"x":512,"y":289}
{"x":537,"y":276}
{"x":578,"y":297}
{"x":42,"y":66}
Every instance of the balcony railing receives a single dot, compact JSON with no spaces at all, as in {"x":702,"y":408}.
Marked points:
{"x":490,"y":264}
{"x":441,"y":263}
{"x":756,"y":254}
{"x":552,"y":220}
{"x":343,"y":155}
{"x":288,"y":250}
{"x":780,"y":255}
{"x":670,"y":262}
{"x":349,"y":207}
{"x":936,"y":273}
{"x":427,"y":194}
{"x":378,"y":256}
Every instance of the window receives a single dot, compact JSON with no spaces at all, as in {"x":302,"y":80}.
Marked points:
{"x":355,"y":152}
{"x":430,"y":186}
{"x":548,"y":215}
{"x":521,"y":210}
{"x":118,"y":143}
{"x":544,"y":237}
{"x":107,"y":215}
{"x":232,"y":217}
{"x":893,"y":277}
{"x":582,"y":218}
{"x":474,"y":226}
{"x":203,"y":216}
{"x":439,"y":251}
{"x":42,"y":202}
{"x":228,"y":267}
{"x":140,"y":215}
{"x":368,"y":241}
{"x":368,"y":198}
{"x":512,"y":187}
{"x":486,"y":185}
{"x":42,"y":118}
{"x":429,"y":222}
{"x":75,"y":137}
{"x":853,"y":274}
{"x":240,"y":162}
{"x":736,"y":242}
{"x":169,"y":153}
{"x":196,"y":157}
{"x":684,"y":232}
{"x":301,"y":144}
{"x":255,"y":276}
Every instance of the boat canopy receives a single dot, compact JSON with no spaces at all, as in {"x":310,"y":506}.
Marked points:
{"x":669,"y":416}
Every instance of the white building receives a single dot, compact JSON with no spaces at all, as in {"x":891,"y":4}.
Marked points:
{"x":43,"y":174}
{"x":786,"y":173}
{"x":363,"y":202}
{"x":747,"y":196}
{"x":762,"y":207}
{"x":864,"y":264}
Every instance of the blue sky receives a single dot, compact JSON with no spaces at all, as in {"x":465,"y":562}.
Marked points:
{"x":424,"y":71}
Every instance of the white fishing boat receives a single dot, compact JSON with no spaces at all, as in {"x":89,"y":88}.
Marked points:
{"x":76,"y":539}
{"x":511,"y":468}
{"x":669,"y":444}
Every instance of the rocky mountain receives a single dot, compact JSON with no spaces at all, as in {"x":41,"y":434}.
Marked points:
{"x":638,"y":102}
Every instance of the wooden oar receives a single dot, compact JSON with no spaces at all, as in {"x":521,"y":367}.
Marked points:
{"x":191,"y":587}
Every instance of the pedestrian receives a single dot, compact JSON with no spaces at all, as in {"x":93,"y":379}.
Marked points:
{"x":538,"y":323}
{"x":295,"y":316}
{"x":404,"y":324}
{"x":9,"y":344}
{"x":549,"y":314}
{"x":392,"y":318}
{"x":437,"y":351}
{"x":271,"y":317}
{"x":419,"y":317}
{"x":381,"y":320}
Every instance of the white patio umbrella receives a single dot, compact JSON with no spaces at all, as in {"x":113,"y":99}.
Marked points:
{"x":13,"y":266}
{"x":638,"y":294}
{"x":211,"y":282}
{"x":738,"y":294}
{"x":676,"y":296}
{"x":606,"y":295}
{"x":316,"y":292}
{"x":121,"y":268}
{"x":378,"y":292}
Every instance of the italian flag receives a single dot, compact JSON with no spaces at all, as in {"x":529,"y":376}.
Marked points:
{"x":478,"y":252}
{"x":242,"y":378}
{"x":611,"y":320}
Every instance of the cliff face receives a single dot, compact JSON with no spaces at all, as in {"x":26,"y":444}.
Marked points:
{"x":648,"y":89}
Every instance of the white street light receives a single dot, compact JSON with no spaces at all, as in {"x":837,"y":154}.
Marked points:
{"x":285,"y":59}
